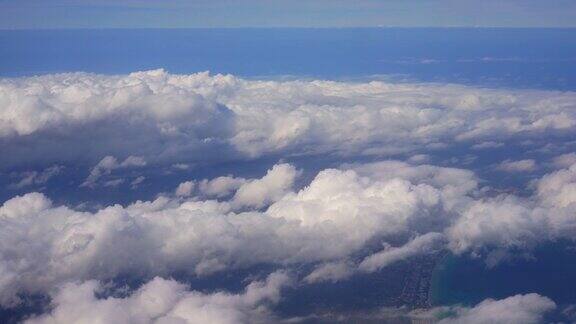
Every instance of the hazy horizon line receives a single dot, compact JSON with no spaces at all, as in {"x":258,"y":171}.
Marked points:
{"x":288,"y":27}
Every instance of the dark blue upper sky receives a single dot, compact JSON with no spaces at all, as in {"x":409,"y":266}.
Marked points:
{"x":33,"y":14}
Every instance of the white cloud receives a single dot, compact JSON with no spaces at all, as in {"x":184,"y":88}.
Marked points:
{"x":185,"y":189}
{"x":334,"y":216}
{"x":419,"y":158}
{"x":507,"y":221}
{"x":564,"y":160}
{"x":113,"y":183}
{"x":527,"y":165}
{"x":340,"y":270}
{"x":31,"y":178}
{"x":182,"y":118}
{"x":324,"y":223}
{"x":518,"y":309}
{"x":487,"y":145}
{"x":526,"y":309}
{"x":164,"y":301}
{"x":255,"y":193}
{"x":159,"y":120}
{"x":419,"y":245}
{"x":221,"y":186}
{"x":132,"y":161}
{"x":502,"y":222}
{"x":558,"y":189}
{"x":107,"y":165}
{"x":136,"y":182}
{"x":273,"y":186}
{"x":181,"y":166}
{"x":331,"y":271}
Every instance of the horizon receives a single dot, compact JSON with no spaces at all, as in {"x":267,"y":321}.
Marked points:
{"x":292,"y":27}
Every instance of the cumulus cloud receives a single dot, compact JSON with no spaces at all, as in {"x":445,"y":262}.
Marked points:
{"x":331,"y":218}
{"x":274,"y":185}
{"x":331,"y":271}
{"x":527,"y":165}
{"x":511,"y":222}
{"x":325,"y":223}
{"x":181,"y":166}
{"x":164,"y":301}
{"x":107,"y":165}
{"x":221,"y":186}
{"x":564,"y":160}
{"x":185,"y":189}
{"x":31,"y":178}
{"x":253,"y":193}
{"x":136,"y":182}
{"x":334,"y":223}
{"x":419,"y":245}
{"x":503,"y":222}
{"x":340,"y":270}
{"x":528,"y":309}
{"x":182,"y":118}
{"x":419,"y":158}
{"x":558,"y":189}
{"x":487,"y":145}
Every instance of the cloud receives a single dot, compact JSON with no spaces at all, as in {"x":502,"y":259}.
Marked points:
{"x":113,"y":183}
{"x":331,"y":271}
{"x":181,"y":166}
{"x":325,"y":223}
{"x":419,"y":158}
{"x":273,"y":186}
{"x":164,"y":301}
{"x":487,"y":145}
{"x":527,"y":165}
{"x":529,"y":308}
{"x":508,"y":222}
{"x":254,"y":193}
{"x":420,"y":245}
{"x":182,"y":119}
{"x":558,"y":189}
{"x":564,"y":160}
{"x":337,"y":271}
{"x":331,"y":218}
{"x":31,"y":178}
{"x":523,"y":308}
{"x":107,"y":165}
{"x":136,"y":182}
{"x":221,"y":186}
{"x":185,"y":189}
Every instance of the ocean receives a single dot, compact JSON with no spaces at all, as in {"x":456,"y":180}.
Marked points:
{"x":492,"y":57}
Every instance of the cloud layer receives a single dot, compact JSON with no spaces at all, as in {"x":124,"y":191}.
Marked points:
{"x":198,"y":117}
{"x":345,"y":211}
{"x":327,"y":222}
{"x":529,"y":308}
{"x":164,"y":301}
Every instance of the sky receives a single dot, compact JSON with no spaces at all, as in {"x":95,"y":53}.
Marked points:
{"x":49,"y":14}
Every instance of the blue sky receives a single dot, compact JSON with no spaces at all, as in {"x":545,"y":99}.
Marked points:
{"x":33,"y":14}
